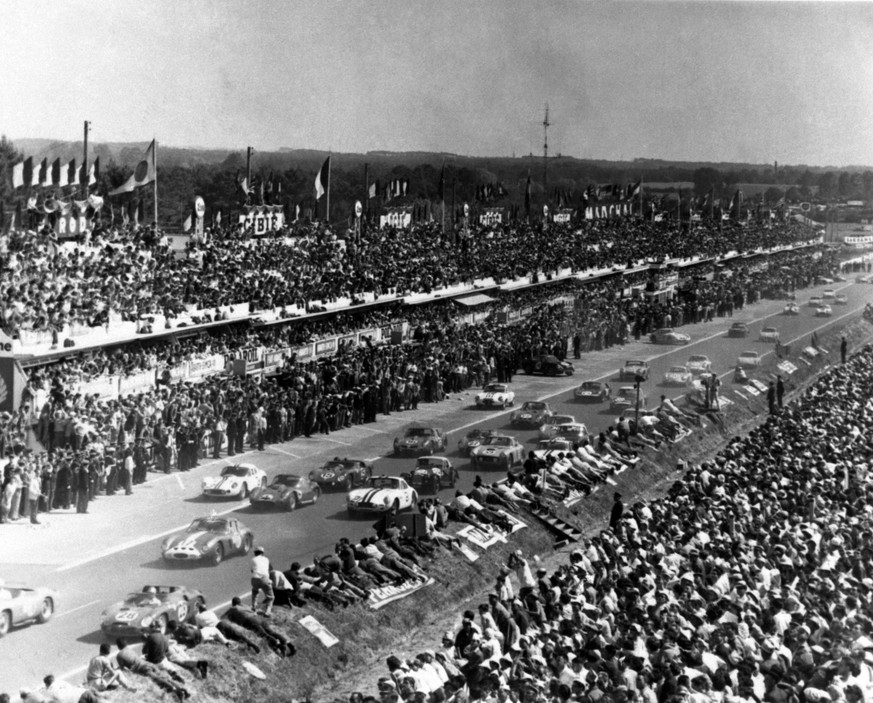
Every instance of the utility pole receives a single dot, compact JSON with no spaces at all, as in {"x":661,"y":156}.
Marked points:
{"x":546,"y":125}
{"x":85,"y":176}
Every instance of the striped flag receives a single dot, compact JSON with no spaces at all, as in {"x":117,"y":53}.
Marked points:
{"x":322,"y":179}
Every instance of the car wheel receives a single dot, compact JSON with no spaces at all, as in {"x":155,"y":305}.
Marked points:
{"x":247,"y":544}
{"x":347,"y":483}
{"x":5,"y":622}
{"x":316,"y":494}
{"x":46,"y":612}
{"x":292,"y":501}
{"x":218,"y":555}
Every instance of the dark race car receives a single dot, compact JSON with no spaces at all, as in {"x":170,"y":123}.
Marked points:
{"x":421,"y":440}
{"x":547,"y":365}
{"x":344,"y":474}
{"x":286,"y":492}
{"x":432,"y":473}
{"x":167,"y":606}
{"x":208,"y":539}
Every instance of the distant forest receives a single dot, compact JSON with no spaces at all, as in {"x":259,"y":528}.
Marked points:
{"x":185,"y":173}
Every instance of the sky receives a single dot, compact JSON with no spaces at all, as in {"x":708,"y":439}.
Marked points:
{"x":693,"y":81}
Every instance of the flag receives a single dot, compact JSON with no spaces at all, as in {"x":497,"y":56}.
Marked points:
{"x":322,"y":179}
{"x":72,"y":173}
{"x":144,"y":173}
{"x":18,"y":175}
{"x":62,"y":176}
{"x":634,"y":189}
{"x":374,"y":188}
{"x":27,"y":172}
{"x":44,"y":173}
{"x":218,"y":219}
{"x":56,"y":172}
{"x":94,"y":172}
{"x":527,"y":197}
{"x":186,"y":225}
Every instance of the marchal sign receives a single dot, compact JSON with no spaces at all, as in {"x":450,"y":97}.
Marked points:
{"x":606,"y":212}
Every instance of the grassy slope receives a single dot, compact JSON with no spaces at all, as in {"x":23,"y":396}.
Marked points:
{"x":408,"y":626}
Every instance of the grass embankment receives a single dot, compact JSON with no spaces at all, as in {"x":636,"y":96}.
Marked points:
{"x":413,"y":624}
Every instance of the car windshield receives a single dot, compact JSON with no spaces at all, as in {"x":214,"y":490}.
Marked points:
{"x":208,"y":524}
{"x":477,"y":434}
{"x":235,"y":471}
{"x":696,"y":359}
{"x":286,"y":480}
{"x":561,"y":419}
{"x":426,"y":462}
{"x":419,"y":432}
{"x":591,"y":386}
{"x":626,"y":392}
{"x":532,"y":405}
{"x":337,"y":464}
{"x":749,"y":355}
{"x":385,"y":482}
{"x":678,"y":369}
{"x":554,"y":444}
{"x":769,"y":330}
{"x":567,"y":430}
{"x":498,"y":441}
{"x":634,"y":363}
{"x":738,"y":325}
{"x":141,"y":599}
{"x":665,"y":330}
{"x":495,"y":388}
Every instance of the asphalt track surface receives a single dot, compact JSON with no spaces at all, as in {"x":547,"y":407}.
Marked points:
{"x":93,"y":560}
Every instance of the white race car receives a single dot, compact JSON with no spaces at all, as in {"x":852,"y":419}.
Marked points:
{"x":549,"y":428}
{"x":382,"y":494}
{"x":698,"y":363}
{"x":824,"y":310}
{"x":495,"y":395}
{"x":678,"y":376}
{"x":769,"y":334}
{"x":236,"y":481}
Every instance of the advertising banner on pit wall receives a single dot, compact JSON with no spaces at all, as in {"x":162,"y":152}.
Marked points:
{"x":141,"y":382}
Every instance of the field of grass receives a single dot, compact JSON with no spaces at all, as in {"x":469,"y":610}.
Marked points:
{"x":413,"y":624}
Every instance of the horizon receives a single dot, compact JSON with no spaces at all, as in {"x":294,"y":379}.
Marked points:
{"x":708,"y":82}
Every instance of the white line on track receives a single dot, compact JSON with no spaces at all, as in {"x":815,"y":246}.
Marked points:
{"x":368,"y":429}
{"x":336,"y":441}
{"x":179,"y":481}
{"x":287,"y":453}
{"x":139,"y":541}
{"x":78,"y":607}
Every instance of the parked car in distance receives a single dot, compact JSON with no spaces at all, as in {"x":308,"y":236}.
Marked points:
{"x":547,"y":365}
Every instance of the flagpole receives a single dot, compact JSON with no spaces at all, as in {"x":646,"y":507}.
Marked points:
{"x":327,"y":214}
{"x":85,"y":161}
{"x":641,"y":196}
{"x":155,"y":159}
{"x":366,"y":190}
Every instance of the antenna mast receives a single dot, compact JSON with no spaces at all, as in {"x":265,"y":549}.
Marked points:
{"x":546,"y":124}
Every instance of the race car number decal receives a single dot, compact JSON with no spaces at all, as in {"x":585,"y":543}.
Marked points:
{"x":126,"y":616}
{"x":182,"y":611}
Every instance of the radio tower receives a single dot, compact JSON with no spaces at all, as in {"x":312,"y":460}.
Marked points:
{"x":546,"y":124}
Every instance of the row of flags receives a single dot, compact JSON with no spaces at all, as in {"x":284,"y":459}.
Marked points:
{"x":30,"y":174}
{"x":266,"y":190}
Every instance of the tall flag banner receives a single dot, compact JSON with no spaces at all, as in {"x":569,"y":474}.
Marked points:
{"x":18,"y":175}
{"x":634,"y":189}
{"x":56,"y":172}
{"x":322,"y":179}
{"x":27,"y":173}
{"x":374,"y":189}
{"x":186,"y":225}
{"x":218,"y":219}
{"x":44,"y":173}
{"x":94,"y":172}
{"x":144,"y":173}
{"x":243,"y":184}
{"x":72,"y":173}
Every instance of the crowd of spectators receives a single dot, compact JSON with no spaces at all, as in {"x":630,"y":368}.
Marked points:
{"x":129,"y":274}
{"x":750,"y":581}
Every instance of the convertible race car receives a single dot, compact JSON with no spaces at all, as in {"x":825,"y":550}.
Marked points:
{"x":167,"y":606}
{"x":791,"y":308}
{"x":548,"y":365}
{"x":432,"y":473}
{"x":667,"y":335}
{"x":497,"y":451}
{"x":421,"y":440}
{"x":495,"y":395}
{"x":533,"y":413}
{"x":286,"y":491}
{"x":627,"y":398}
{"x":382,"y":494}
{"x":20,"y":605}
{"x":342,"y":473}
{"x":208,"y":539}
{"x":236,"y":481}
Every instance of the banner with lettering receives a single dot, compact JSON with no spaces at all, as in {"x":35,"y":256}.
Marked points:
{"x":608,"y":211}
{"x":260,"y":222}
{"x":141,"y":382}
{"x":206,"y":366}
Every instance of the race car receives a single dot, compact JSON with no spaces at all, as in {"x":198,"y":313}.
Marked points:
{"x":841,"y":299}
{"x":382,"y":494}
{"x":342,"y":473}
{"x":286,"y":491}
{"x":167,"y":606}
{"x":596,"y":391}
{"x":738,"y":329}
{"x":633,"y":368}
{"x":791,"y":308}
{"x":208,"y":539}
{"x":749,"y":360}
{"x":769,"y":334}
{"x":548,"y":365}
{"x":815,"y":301}
{"x":627,"y":398}
{"x":556,"y":444}
{"x":471,"y":440}
{"x":678,"y":376}
{"x":20,"y":605}
{"x":698,"y":363}
{"x":235,"y":481}
{"x":828,"y":293}
{"x":550,"y":427}
{"x":532,"y":413}
{"x":495,"y":395}
{"x":824,"y":281}
{"x":497,"y":451}
{"x":824,"y":310}
{"x":420,"y":440}
{"x":667,"y":335}
{"x":432,"y":473}
{"x":573,"y":432}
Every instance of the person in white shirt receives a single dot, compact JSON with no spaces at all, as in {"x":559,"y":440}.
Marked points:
{"x":261,"y":581}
